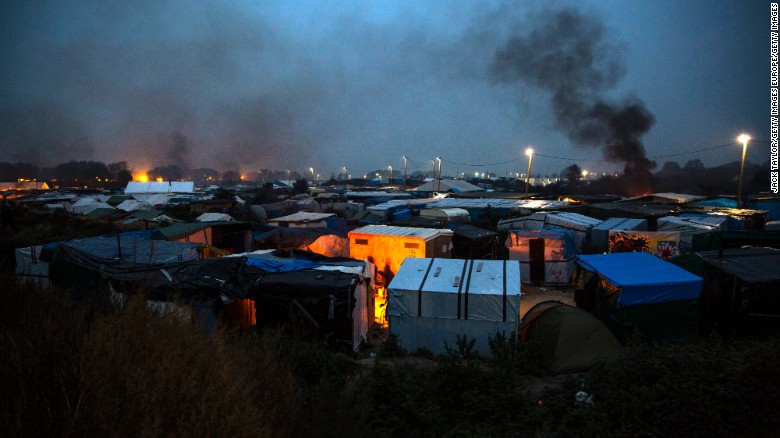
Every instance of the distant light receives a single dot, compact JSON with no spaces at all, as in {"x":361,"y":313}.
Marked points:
{"x":529,"y":151}
{"x":744,"y":139}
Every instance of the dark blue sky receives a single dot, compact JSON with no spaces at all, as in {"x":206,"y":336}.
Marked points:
{"x":296,"y":84}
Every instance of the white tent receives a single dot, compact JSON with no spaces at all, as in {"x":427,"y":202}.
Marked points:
{"x":134,"y":187}
{"x":133,"y":205}
{"x":214,"y":217}
{"x":433,"y":301}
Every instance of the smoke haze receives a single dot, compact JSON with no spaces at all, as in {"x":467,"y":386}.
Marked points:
{"x":247,"y":85}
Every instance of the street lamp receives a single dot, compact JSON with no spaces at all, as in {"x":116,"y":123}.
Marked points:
{"x":744,"y":139}
{"x":311,"y":169}
{"x":390,"y":174}
{"x":530,"y":153}
{"x":404,"y":157}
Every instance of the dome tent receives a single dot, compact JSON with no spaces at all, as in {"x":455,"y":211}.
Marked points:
{"x":571,"y":338}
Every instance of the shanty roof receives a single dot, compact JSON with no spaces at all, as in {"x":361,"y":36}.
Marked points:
{"x":753,"y":265}
{"x":540,"y":204}
{"x":448,"y":185}
{"x":214,"y":217}
{"x":387,"y":230}
{"x":177,"y":231}
{"x":303,"y":217}
{"x":160,"y":187}
{"x":674,"y":198}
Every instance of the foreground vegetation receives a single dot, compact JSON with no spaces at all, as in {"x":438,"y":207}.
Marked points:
{"x":74,"y":368}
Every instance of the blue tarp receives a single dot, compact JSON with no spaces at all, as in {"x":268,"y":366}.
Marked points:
{"x":278,"y":266}
{"x":643,"y":278}
{"x":719,"y":202}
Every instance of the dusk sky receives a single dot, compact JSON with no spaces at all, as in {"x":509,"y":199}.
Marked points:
{"x":296,"y":84}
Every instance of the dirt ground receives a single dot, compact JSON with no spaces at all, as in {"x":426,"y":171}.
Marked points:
{"x":532,"y":295}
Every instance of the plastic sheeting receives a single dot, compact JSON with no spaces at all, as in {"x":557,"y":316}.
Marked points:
{"x":642,"y":278}
{"x":559,"y":254}
{"x":432,"y":301}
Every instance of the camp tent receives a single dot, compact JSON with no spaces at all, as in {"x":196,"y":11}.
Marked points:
{"x":741,"y":292}
{"x":571,"y":338}
{"x":545,"y":256}
{"x":637,"y":292}
{"x":433,"y":301}
{"x":599,"y":235}
{"x":579,"y":225}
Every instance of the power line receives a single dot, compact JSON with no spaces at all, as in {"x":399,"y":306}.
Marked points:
{"x":598,"y":160}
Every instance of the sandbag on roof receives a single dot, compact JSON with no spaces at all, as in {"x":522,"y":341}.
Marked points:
{"x":572,"y":338}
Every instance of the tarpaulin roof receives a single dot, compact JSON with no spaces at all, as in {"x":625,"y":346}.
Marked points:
{"x":643,"y":278}
{"x":287,"y":238}
{"x":753,"y":265}
{"x":177,"y":231}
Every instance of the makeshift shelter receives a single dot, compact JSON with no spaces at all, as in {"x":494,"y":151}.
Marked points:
{"x":214,"y":217}
{"x":446,"y":214}
{"x":579,"y":225}
{"x":30,"y":268}
{"x":133,"y":205}
{"x":386,"y":247}
{"x":741,"y":292}
{"x":571,"y":338}
{"x":317,"y":240}
{"x":545,"y":256}
{"x":766,"y":201}
{"x":233,"y":236}
{"x":134,"y":187}
{"x":599,"y":235}
{"x":433,"y":301}
{"x":662,"y":244}
{"x":690,"y":226}
{"x":479,"y":208}
{"x":302,"y":219}
{"x":470,"y":242}
{"x":85,"y":264}
{"x":447,"y":185}
{"x":735,"y":239}
{"x":637,"y":293}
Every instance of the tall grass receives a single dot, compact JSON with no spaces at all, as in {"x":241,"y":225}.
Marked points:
{"x":75,"y":369}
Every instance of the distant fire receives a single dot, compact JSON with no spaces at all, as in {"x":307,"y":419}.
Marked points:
{"x":159,"y":179}
{"x":141,"y":177}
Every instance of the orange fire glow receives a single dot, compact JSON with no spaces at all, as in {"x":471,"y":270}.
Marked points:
{"x":141,"y":177}
{"x":380,"y":306}
{"x":159,"y":179}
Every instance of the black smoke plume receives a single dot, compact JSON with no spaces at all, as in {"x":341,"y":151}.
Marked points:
{"x":567,"y":53}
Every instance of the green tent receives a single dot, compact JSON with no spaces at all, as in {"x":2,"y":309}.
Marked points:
{"x":572,"y":338}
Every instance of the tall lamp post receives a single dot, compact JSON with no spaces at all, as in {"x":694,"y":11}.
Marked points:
{"x":530,"y":153}
{"x":744,"y":139}
{"x":390,"y":174}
